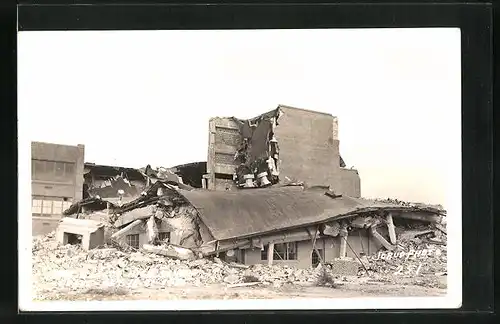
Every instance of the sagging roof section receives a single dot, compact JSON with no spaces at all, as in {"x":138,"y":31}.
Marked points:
{"x":238,"y":214}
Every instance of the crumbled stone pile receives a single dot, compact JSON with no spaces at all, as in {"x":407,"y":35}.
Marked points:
{"x":58,"y":268}
{"x":411,"y":258}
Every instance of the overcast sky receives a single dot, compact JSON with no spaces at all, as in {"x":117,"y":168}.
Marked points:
{"x":145,"y":97}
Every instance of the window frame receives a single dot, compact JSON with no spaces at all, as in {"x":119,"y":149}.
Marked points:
{"x":47,"y":170}
{"x":281,"y":257}
{"x":132,"y":237}
{"x":39,"y":202}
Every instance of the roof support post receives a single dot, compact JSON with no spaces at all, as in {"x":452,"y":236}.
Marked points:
{"x":314,"y":243}
{"x":343,"y":242}
{"x":270,"y":254}
{"x":381,"y":239}
{"x":391,"y":228}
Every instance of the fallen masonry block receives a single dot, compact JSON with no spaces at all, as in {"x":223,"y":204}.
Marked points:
{"x":171,"y":251}
{"x":344,"y":267}
{"x":91,"y":232}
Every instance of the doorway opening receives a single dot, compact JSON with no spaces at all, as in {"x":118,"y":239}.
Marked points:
{"x":315,"y":258}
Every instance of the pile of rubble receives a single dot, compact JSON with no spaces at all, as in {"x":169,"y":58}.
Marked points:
{"x":417,"y":256}
{"x":399,"y":202}
{"x":58,"y":268}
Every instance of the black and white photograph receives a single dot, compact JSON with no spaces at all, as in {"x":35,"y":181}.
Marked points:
{"x":240,"y":169}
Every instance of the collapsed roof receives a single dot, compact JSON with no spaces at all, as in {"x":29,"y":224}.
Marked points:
{"x":238,"y":214}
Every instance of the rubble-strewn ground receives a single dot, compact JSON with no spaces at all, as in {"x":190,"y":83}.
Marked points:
{"x":69,"y":273}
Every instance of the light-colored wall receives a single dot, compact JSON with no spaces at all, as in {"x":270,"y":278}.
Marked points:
{"x":72,"y":189}
{"x":313,"y":135}
{"x":304,"y":255}
{"x":329,"y":245}
{"x":350,"y":183}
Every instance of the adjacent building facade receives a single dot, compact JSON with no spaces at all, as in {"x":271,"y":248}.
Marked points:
{"x":56,"y":182}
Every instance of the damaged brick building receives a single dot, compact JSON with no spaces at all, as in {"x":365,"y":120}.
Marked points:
{"x":274,"y":189}
{"x":286,"y":144}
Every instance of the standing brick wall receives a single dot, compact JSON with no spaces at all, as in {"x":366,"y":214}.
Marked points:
{"x":309,"y":147}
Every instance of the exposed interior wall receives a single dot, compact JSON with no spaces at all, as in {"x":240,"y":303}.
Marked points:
{"x":224,"y":141}
{"x":313,"y":134}
{"x":350,"y":183}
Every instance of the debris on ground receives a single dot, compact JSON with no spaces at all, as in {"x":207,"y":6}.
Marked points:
{"x":324,"y":278}
{"x":58,"y":267}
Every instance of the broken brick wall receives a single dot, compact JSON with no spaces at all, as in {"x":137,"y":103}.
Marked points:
{"x":350,"y":183}
{"x":224,"y":141}
{"x":309,"y":147}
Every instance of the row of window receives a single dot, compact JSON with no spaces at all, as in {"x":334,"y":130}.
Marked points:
{"x":133,"y":239}
{"x":44,"y":206}
{"x":282,"y":251}
{"x":50,"y":170}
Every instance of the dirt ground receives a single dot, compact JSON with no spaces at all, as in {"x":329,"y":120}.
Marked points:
{"x":220,"y":291}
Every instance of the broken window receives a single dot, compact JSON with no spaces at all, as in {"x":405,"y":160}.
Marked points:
{"x":282,"y":251}
{"x":133,"y":240}
{"x":164,"y":236}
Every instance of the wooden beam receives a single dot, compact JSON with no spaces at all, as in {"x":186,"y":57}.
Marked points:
{"x":126,"y":229}
{"x":391,"y":228}
{"x":270,"y":254}
{"x":381,"y":239}
{"x":314,"y":244}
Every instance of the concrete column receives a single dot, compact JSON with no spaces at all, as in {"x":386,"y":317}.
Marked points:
{"x":79,"y":180}
{"x":86,"y":241}
{"x":391,"y":228}
{"x":343,"y":244}
{"x":270,"y":254}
